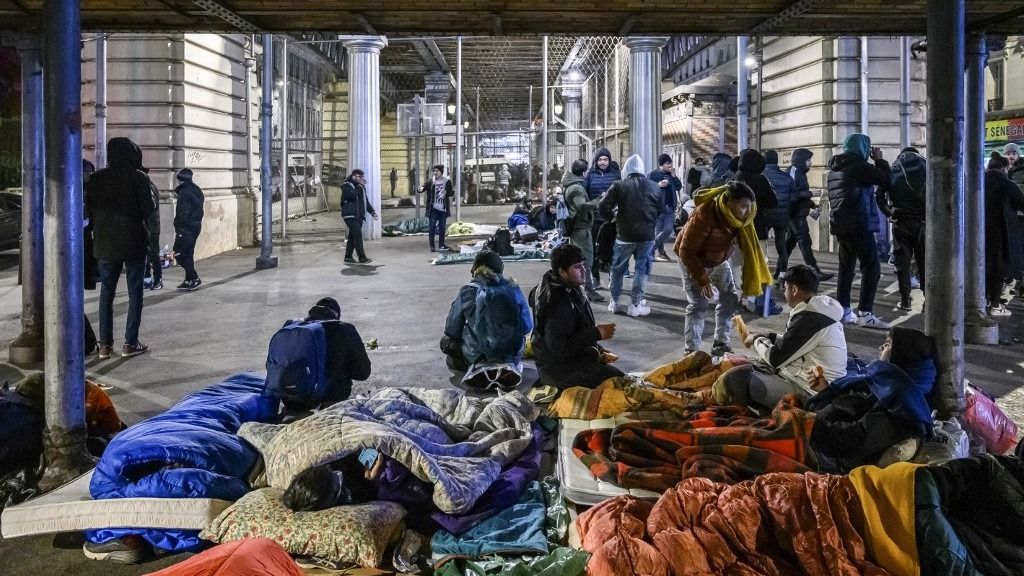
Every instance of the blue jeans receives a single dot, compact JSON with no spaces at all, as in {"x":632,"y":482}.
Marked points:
{"x":697,"y":305}
{"x":110,"y":273}
{"x":437,"y":219}
{"x":663,"y":227}
{"x":641,"y":251}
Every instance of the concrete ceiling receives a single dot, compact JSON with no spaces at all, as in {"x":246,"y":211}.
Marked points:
{"x":520,"y":17}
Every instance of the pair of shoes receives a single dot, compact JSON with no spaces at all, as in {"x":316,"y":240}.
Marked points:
{"x":158,"y":285}
{"x":849,"y":317}
{"x":720,"y":348}
{"x":365,"y":260}
{"x":105,"y":351}
{"x":869,"y":320}
{"x":905,"y":304}
{"x":132,"y":549}
{"x":350,"y":260}
{"x":613,"y":307}
{"x":593,"y":296}
{"x":662,"y":257}
{"x":129,"y":350}
{"x":638,"y":310}
{"x":999,"y":311}
{"x":824,"y":276}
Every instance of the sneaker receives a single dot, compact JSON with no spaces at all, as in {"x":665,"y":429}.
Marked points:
{"x":147,"y":282}
{"x":445,"y":249}
{"x":184,"y":285}
{"x":849,"y":317}
{"x":869,"y":320}
{"x":824,"y":276}
{"x":193,"y":285}
{"x":998,"y":311}
{"x":365,"y":260}
{"x":661,"y":257}
{"x":131,"y":549}
{"x":905,"y":304}
{"x":720,"y":348}
{"x":158,"y":285}
{"x":593,"y":296}
{"x":613,"y":307}
{"x":638,"y":310}
{"x":129,"y":350}
{"x":914,"y":282}
{"x":105,"y":351}
{"x":350,"y":260}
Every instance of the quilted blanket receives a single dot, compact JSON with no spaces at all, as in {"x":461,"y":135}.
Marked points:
{"x":721,"y":443}
{"x":458,"y":443}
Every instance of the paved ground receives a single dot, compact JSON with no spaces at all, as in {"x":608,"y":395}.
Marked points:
{"x":401,"y":300}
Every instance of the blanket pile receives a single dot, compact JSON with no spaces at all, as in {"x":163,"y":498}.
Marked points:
{"x":695,"y":371}
{"x":619,"y":395}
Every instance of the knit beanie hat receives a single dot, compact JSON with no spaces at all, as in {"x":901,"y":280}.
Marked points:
{"x":1011,"y":148}
{"x":489,"y":259}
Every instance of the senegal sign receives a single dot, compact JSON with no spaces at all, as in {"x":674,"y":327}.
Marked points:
{"x":1004,"y":130}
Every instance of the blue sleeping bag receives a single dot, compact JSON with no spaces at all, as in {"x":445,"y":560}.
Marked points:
{"x":190,"y":451}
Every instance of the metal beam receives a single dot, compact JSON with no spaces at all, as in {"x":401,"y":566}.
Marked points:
{"x":996,"y":19}
{"x":365,"y":23}
{"x":792,"y":11}
{"x":627,"y":26}
{"x":227,"y":15}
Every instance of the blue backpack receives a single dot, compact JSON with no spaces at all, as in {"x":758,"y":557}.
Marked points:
{"x":296,"y":364}
{"x":497,"y":323}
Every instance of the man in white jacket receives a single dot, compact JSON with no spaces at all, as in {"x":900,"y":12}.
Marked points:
{"x":810,"y":354}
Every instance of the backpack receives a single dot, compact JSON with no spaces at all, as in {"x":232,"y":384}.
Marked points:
{"x":501,"y":242}
{"x":564,"y":222}
{"x":914,"y":175}
{"x":296,"y":364}
{"x":496,"y":320}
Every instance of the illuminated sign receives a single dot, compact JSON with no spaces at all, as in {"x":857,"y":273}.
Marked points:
{"x":1004,"y":130}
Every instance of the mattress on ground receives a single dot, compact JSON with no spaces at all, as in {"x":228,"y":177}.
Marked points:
{"x":579,"y":485}
{"x":71,"y":508}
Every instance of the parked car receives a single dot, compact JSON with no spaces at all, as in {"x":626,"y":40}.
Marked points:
{"x":10,"y":220}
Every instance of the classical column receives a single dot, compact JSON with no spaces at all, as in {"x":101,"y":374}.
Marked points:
{"x":645,"y":96}
{"x":101,"y":101}
{"x":364,"y":119}
{"x":944,"y":237}
{"x":27,"y":348}
{"x":979,"y":328}
{"x":742,"y":94}
{"x":572,"y":100}
{"x":266,"y":259}
{"x":437,"y":90}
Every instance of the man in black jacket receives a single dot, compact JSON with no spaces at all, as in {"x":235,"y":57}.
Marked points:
{"x":118,"y":201}
{"x":905,"y":207}
{"x":853,"y":220}
{"x":354,"y":207}
{"x":800,"y":209}
{"x":188,"y":223}
{"x":565,"y":334}
{"x":670,"y":186}
{"x":346,"y":354}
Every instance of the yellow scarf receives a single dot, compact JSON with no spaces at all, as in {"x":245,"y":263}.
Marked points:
{"x":756,"y":274}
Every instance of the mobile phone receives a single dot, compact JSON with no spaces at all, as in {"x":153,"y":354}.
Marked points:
{"x":368,"y":457}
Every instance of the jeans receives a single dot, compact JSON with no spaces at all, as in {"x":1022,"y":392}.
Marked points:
{"x":908,"y":247}
{"x":110,"y":273}
{"x":852,"y":248}
{"x":153,"y":264}
{"x":583,"y":239}
{"x":663,"y":227}
{"x":800,"y":235}
{"x":185,"y":247}
{"x":641,"y":251}
{"x":437,"y":219}
{"x":697,"y":305}
{"x":354,"y":240}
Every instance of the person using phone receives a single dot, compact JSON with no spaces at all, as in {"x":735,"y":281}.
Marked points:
{"x":670,"y":186}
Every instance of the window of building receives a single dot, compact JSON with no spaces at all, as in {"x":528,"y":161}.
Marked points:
{"x":995,"y":99}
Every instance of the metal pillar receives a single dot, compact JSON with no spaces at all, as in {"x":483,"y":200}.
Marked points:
{"x":944,"y":272}
{"x":905,"y":79}
{"x":979,"y":328}
{"x":572,"y":98}
{"x":457,"y":169}
{"x":286,"y":177}
{"x":265,"y":260}
{"x":27,"y":348}
{"x":250,"y":187}
{"x":476,"y":146}
{"x":760,"y":95}
{"x":64,"y":314}
{"x":864,"y":102}
{"x":533,"y":142}
{"x":742,"y":93}
{"x":101,"y":101}
{"x":364,"y":118}
{"x":544,"y":133}
{"x":604,"y":133}
{"x":645,"y":96}
{"x":721,"y":134}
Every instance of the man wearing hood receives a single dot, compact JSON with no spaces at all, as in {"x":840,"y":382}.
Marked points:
{"x":581,"y":220}
{"x":638,"y":202}
{"x":905,"y":206}
{"x":188,"y":223}
{"x":602,"y":174}
{"x":1016,"y":173}
{"x":439,"y":193}
{"x":118,"y":201}
{"x":670,"y":187}
{"x":777,"y":218}
{"x":800,"y":209}
{"x":695,"y":174}
{"x":565,"y":336}
{"x":720,"y":173}
{"x":354,"y":207}
{"x":749,"y":168}
{"x":852,"y":219}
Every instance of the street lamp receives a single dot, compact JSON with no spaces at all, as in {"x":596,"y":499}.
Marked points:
{"x":465,"y":125}
{"x":750,"y":61}
{"x":451,"y":109}
{"x":558,"y":109}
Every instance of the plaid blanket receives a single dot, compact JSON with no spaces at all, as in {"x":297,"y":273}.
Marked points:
{"x":722,"y":443}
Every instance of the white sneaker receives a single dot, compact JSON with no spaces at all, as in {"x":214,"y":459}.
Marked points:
{"x":613,"y":307}
{"x":849,"y":317}
{"x":641,"y":310}
{"x":999,"y":311}
{"x":869,"y":320}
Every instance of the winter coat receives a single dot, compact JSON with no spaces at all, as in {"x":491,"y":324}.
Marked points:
{"x":706,"y":242}
{"x":1003,"y":199}
{"x":813,"y":337}
{"x":461,"y":324}
{"x":1016,"y":173}
{"x":581,"y":208}
{"x":504,"y":177}
{"x":851,"y":195}
{"x":784,"y":187}
{"x":749,"y":170}
{"x":906,"y":197}
{"x":597,"y":181}
{"x":802,"y":203}
{"x":354,"y":204}
{"x":346,"y":356}
{"x":430,"y":190}
{"x":720,"y":172}
{"x":639,"y":202}
{"x":565,"y":334}
{"x":188,"y":213}
{"x":118,"y":202}
{"x":670,"y":193}
{"x":694,"y":176}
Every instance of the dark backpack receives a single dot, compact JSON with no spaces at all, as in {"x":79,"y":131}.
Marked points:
{"x":912,"y":172}
{"x":296,"y":364}
{"x":501,"y":242}
{"x":496,"y":322}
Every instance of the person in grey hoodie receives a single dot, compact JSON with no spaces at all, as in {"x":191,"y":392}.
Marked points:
{"x":638,"y":202}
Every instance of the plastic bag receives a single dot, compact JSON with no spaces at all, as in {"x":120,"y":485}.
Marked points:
{"x":902,"y":451}
{"x":949,"y":442}
{"x":984,"y":419}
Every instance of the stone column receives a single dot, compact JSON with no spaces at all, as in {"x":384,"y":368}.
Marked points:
{"x":572,"y":99}
{"x":645,"y":96}
{"x":437,"y":90}
{"x":364,"y":118}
